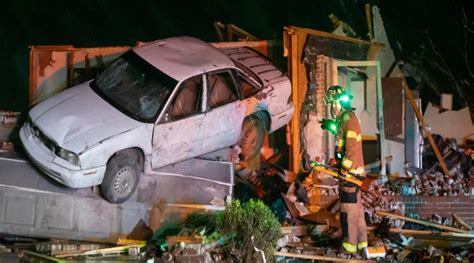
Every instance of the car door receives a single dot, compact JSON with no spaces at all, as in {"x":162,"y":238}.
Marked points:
{"x":178,"y":135}
{"x":225,"y":112}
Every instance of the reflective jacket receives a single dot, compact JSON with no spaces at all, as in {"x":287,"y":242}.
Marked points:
{"x":349,"y":144}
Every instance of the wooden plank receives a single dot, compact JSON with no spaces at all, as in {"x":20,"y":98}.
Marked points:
{"x":323,"y":217}
{"x":112,"y":250}
{"x":461,"y":222}
{"x":295,"y":158}
{"x":295,"y":230}
{"x":420,"y":118}
{"x":301,"y":30}
{"x":426,"y":233}
{"x":422,"y":222}
{"x":430,"y":233}
{"x":324,"y":258}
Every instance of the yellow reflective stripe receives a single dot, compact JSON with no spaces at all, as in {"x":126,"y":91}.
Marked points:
{"x":349,"y":247}
{"x":351,"y":134}
{"x":362,"y":245}
{"x":346,"y":163}
{"x":360,"y":170}
{"x":354,"y":135}
{"x":340,"y":143}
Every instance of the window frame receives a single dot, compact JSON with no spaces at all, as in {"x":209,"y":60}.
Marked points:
{"x":257,"y":88}
{"x":236,"y":90}
{"x":166,"y":118}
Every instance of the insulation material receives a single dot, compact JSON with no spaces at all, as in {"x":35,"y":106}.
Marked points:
{"x":313,"y":137}
{"x":460,"y":124}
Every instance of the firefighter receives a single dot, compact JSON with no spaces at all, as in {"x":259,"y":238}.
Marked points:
{"x":349,"y":158}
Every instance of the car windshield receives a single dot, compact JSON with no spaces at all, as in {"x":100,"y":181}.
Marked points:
{"x":134,"y":87}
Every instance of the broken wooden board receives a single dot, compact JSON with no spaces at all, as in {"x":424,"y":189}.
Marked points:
{"x":291,"y":207}
{"x":422,"y":222}
{"x":294,"y":230}
{"x":314,"y":257}
{"x":426,"y":234}
{"x":461,"y":222}
{"x":323,"y":217}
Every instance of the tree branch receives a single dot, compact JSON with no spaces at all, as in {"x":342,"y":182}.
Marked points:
{"x":467,"y":29}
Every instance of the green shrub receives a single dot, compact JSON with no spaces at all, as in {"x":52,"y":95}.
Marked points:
{"x":240,"y":222}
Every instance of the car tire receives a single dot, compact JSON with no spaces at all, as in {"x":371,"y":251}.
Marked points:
{"x":121,"y":177}
{"x":251,"y":137}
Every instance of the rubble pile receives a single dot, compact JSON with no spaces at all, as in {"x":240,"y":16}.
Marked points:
{"x":431,"y":181}
{"x":397,"y":251}
{"x":374,"y":202}
{"x":317,"y":245}
{"x":430,"y":184}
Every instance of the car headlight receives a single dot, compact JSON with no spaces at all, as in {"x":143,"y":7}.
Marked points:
{"x":68,"y":156}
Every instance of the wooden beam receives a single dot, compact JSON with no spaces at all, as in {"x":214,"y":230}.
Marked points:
{"x":295,"y":156}
{"x":295,"y":230}
{"x":461,"y":222}
{"x":426,"y":233}
{"x":422,"y":222}
{"x":314,"y":257}
{"x":421,"y":120}
{"x":301,"y":30}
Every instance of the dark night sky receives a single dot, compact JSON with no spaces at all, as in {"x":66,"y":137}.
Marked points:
{"x":104,"y":23}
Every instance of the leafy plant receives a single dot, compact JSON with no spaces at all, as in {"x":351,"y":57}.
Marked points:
{"x":247,"y":227}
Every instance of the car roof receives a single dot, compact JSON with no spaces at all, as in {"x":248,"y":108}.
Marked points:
{"x":183,"y":57}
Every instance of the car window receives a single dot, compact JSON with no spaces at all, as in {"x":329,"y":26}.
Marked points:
{"x":245,"y":86}
{"x":187,"y":101}
{"x":134,"y":86}
{"x":221,"y":89}
{"x":248,"y":72}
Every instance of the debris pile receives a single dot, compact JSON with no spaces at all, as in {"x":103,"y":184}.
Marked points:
{"x":431,"y":181}
{"x":312,"y":218}
{"x":374,"y":202}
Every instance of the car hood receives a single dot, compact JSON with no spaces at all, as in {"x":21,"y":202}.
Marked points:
{"x":78,"y":119}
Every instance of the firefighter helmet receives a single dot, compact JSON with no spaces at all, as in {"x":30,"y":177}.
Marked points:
{"x":337,"y":95}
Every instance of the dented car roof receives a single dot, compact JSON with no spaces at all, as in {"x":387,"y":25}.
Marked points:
{"x":183,"y":57}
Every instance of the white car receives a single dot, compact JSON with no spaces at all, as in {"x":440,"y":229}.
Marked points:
{"x":157,"y":104}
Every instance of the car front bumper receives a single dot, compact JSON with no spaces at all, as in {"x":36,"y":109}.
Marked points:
{"x":57,"y":168}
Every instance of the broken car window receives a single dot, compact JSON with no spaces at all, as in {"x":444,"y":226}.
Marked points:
{"x":134,"y":87}
{"x":221,"y":89}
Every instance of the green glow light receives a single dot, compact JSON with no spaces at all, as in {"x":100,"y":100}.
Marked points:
{"x":333,"y":127}
{"x":344,"y":98}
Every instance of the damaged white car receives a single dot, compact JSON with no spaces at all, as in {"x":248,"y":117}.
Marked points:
{"x":158,"y":104}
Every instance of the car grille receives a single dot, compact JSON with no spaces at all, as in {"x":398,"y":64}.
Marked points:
{"x":51,"y":145}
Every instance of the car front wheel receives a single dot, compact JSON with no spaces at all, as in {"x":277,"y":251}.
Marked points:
{"x":121,"y":177}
